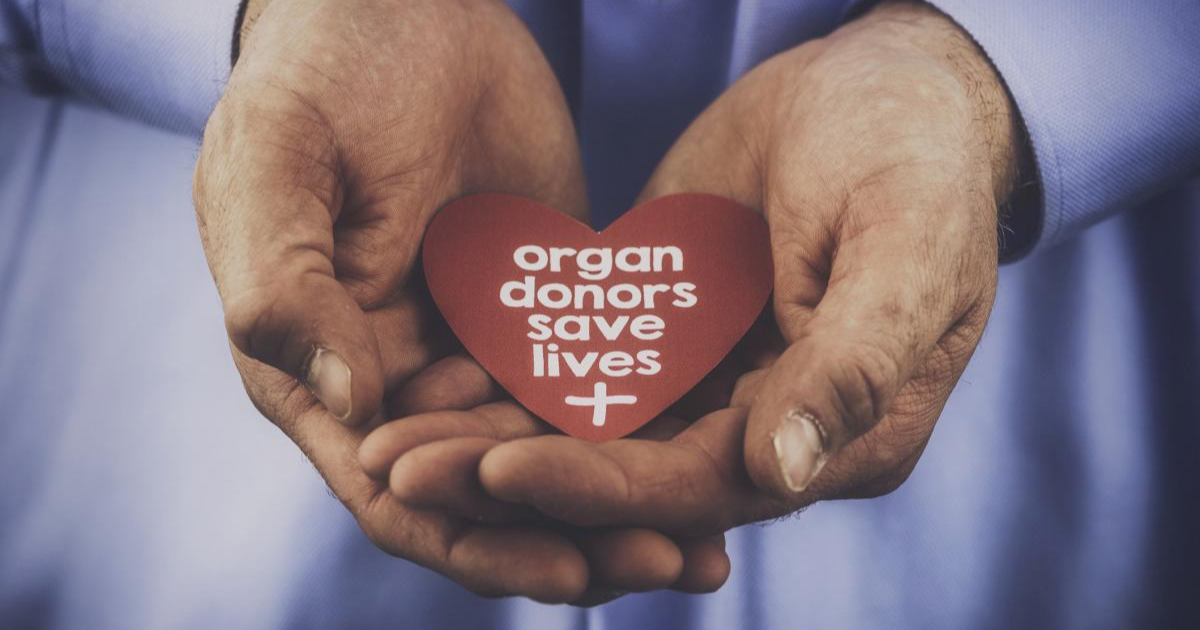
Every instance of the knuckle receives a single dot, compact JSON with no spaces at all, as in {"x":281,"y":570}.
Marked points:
{"x":944,"y":362}
{"x":245,"y":315}
{"x":256,"y":323}
{"x":863,"y":378}
{"x":266,"y":303}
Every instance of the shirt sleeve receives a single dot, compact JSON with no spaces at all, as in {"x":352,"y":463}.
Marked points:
{"x":164,"y":62}
{"x":1109,"y":91}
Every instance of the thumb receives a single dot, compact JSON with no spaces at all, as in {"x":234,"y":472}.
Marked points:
{"x":266,"y":212}
{"x":892,"y":295}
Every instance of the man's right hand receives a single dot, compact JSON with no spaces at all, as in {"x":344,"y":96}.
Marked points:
{"x":345,"y":126}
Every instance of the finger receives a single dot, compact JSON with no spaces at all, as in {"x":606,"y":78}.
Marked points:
{"x":494,"y":561}
{"x":892,"y":293}
{"x":411,"y":336}
{"x":659,"y":429}
{"x":745,"y":391}
{"x":706,"y":565}
{"x":456,"y":382}
{"x":501,"y":561}
{"x":630,"y":559}
{"x":691,"y":485}
{"x":443,"y":476}
{"x":490,"y":561}
{"x":501,"y":421}
{"x":266,"y":208}
{"x":442,"y":473}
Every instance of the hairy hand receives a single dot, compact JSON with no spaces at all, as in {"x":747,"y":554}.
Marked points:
{"x":345,"y":126}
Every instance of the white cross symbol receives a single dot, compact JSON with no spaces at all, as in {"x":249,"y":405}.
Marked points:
{"x":600,"y":400}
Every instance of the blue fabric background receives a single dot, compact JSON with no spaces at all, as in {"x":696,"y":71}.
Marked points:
{"x":139,"y":488}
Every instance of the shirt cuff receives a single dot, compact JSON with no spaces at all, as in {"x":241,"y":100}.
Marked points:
{"x":163,"y":62}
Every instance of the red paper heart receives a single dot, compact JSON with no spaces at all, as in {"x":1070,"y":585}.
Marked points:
{"x":471,"y":255}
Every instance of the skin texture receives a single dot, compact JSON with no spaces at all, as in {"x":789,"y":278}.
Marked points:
{"x":346,"y":124}
{"x":879,"y":156}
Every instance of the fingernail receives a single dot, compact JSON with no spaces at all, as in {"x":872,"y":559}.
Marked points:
{"x":328,"y":378}
{"x":800,"y":448}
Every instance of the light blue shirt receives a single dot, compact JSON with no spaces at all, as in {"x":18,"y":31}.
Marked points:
{"x":139,"y":488}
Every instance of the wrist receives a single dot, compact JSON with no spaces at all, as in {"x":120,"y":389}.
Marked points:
{"x":997,"y":130}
